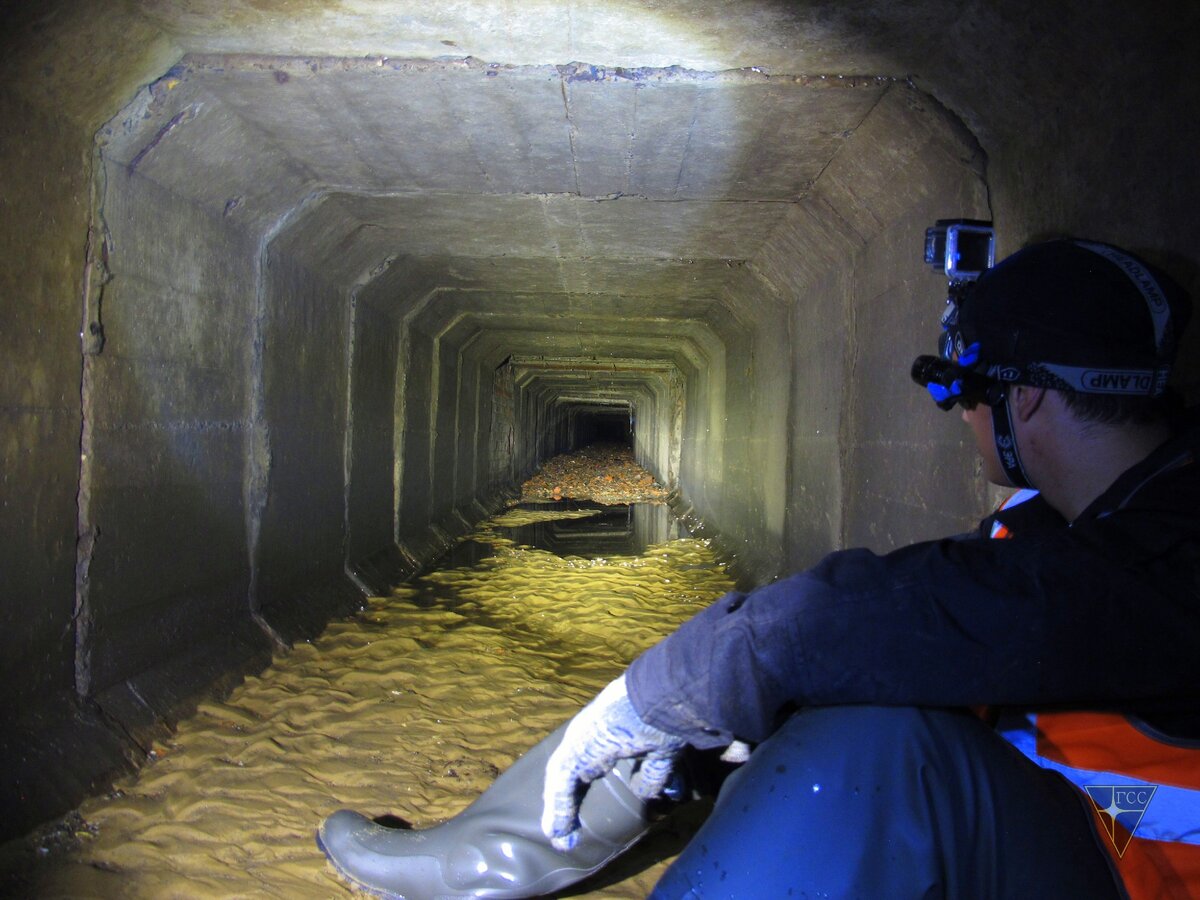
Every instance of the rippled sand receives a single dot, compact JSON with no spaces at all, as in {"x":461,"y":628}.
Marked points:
{"x":410,"y":708}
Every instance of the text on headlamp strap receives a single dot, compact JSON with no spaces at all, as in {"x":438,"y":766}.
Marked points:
{"x":1091,"y":380}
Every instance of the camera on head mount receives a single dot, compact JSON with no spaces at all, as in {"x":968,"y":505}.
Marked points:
{"x":962,"y":248}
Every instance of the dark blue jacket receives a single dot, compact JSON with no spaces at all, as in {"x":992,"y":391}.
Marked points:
{"x":1103,"y":613}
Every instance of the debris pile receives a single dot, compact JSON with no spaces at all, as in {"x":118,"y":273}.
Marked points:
{"x":603,"y":473}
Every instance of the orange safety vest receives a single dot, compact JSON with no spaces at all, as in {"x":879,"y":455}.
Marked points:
{"x":1143,"y":787}
{"x":1000,"y":530}
{"x":1144,"y":792}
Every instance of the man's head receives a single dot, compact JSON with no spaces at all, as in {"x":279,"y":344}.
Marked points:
{"x":1087,"y":320}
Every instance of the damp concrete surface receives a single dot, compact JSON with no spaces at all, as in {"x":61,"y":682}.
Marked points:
{"x":408,"y":710}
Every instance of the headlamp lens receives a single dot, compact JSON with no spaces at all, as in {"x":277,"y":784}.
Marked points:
{"x":949,"y":383}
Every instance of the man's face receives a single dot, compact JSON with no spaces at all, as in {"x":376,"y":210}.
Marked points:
{"x":980,"y":420}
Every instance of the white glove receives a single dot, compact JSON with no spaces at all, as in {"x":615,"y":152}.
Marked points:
{"x":606,"y":730}
{"x":737,"y":752}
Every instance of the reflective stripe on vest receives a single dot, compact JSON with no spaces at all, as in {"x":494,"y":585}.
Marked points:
{"x":1000,"y":531}
{"x":1152,"y":832}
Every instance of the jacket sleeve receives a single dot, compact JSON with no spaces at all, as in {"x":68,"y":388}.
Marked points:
{"x":953,"y":622}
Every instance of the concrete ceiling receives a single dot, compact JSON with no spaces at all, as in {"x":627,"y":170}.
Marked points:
{"x":700,"y":34}
{"x":557,"y":105}
{"x":549,"y":165}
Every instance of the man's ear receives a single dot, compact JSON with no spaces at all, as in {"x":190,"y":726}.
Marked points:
{"x":1026,"y":400}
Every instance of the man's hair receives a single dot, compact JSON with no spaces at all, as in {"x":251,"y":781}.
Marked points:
{"x":1115,"y":409}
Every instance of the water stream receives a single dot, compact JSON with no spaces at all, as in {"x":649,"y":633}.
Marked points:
{"x":408,"y":709}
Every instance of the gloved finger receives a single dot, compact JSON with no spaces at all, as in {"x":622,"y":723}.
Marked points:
{"x":566,"y":843}
{"x":560,"y":809}
{"x":653,"y":774}
{"x":737,"y":752}
{"x":592,"y":763}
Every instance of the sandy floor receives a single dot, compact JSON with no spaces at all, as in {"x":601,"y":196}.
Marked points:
{"x":411,"y":709}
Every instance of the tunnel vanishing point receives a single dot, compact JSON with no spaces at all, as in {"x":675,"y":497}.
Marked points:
{"x":294,"y":291}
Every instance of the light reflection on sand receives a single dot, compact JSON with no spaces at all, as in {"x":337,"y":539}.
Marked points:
{"x":410,"y":708}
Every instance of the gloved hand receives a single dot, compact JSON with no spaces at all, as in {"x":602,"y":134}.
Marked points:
{"x":606,"y":730}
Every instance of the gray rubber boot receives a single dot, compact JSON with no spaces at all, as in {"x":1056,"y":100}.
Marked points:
{"x":493,"y":848}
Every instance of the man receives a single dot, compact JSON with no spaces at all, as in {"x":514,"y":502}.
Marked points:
{"x":869,"y":777}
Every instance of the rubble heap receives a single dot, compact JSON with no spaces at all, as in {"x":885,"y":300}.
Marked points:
{"x":603,"y":473}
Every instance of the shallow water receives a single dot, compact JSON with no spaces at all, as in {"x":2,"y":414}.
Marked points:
{"x":410,"y":709}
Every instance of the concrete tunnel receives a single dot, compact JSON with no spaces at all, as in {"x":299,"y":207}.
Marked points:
{"x":295,"y":293}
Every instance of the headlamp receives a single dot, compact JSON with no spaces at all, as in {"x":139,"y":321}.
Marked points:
{"x":949,"y":383}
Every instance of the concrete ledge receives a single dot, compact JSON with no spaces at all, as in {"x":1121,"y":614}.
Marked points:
{"x":148,"y":705}
{"x":53,"y":757}
{"x":63,"y":750}
{"x":379,"y":571}
{"x":300,"y":611}
{"x":422,"y":546}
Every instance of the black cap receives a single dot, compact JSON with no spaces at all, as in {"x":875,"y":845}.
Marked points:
{"x":1073,"y":315}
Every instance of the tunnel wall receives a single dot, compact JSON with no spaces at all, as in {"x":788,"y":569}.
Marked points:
{"x":373,"y":406}
{"x":159,"y":604}
{"x":823,"y":333}
{"x":909,"y":467}
{"x":40,"y":373}
{"x":427,"y":512}
{"x":167,"y":574}
{"x":502,"y":462}
{"x":702,"y":445}
{"x":871,"y":462}
{"x":415,"y":496}
{"x":732,"y":471}
{"x":46,"y":727}
{"x":754,"y":483}
{"x":817,"y":357}
{"x":445,"y":473}
{"x":300,"y":553}
{"x":668,"y":433}
{"x":472,"y":414}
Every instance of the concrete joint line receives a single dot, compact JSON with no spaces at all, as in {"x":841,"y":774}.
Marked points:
{"x":96,"y":274}
{"x":185,"y":115}
{"x":357,"y":581}
{"x":687,"y":147}
{"x":851,"y":133}
{"x":276,"y":639}
{"x":348,"y":437}
{"x":571,"y":131}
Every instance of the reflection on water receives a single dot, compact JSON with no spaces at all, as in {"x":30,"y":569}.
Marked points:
{"x":573,"y":528}
{"x":410,"y":708}
{"x":610,"y":531}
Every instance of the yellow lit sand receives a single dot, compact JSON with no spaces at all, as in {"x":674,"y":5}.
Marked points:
{"x":410,"y":708}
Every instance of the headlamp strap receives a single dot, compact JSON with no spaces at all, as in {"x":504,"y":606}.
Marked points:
{"x":1092,"y":380}
{"x":1006,"y":443}
{"x":1148,"y":287}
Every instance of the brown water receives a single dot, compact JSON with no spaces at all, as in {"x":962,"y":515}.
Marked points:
{"x":410,"y":709}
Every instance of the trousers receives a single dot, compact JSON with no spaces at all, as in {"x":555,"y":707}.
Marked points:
{"x":881,"y":802}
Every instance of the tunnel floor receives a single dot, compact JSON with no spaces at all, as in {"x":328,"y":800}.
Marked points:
{"x":408,"y":709}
